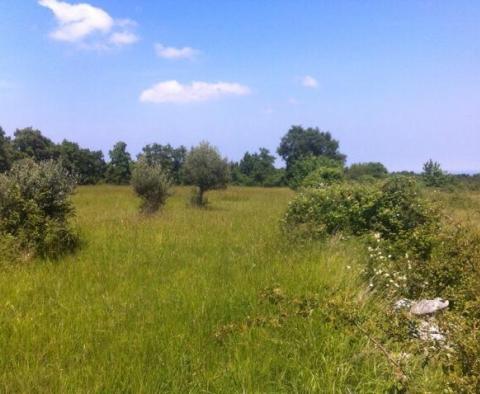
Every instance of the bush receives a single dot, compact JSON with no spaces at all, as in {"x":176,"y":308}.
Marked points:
{"x":323,"y":176}
{"x":358,"y":209}
{"x":301,"y":168}
{"x":359,"y":171}
{"x":152,"y":184}
{"x":344,"y":208}
{"x":35,"y":208}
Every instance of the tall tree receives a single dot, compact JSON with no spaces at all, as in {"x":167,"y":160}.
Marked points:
{"x":169,"y":158}
{"x":87,"y":166}
{"x":29,"y":142}
{"x":257,"y":167}
{"x":119,"y":167}
{"x":299,"y":143}
{"x":6,"y":152}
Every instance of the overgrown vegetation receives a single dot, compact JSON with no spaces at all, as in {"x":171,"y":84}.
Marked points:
{"x":414,"y":253}
{"x":35,"y":209}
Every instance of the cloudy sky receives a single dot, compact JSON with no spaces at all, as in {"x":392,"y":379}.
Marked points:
{"x":397,"y":82}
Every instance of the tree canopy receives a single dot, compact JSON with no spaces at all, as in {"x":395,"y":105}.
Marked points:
{"x":87,"y":166}
{"x":205,"y":168}
{"x":301,"y":142}
{"x":119,"y":168}
{"x":6,"y":152}
{"x":29,"y":142}
{"x":169,"y":158}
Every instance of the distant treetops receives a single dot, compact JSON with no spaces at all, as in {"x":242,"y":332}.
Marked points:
{"x":307,"y":152}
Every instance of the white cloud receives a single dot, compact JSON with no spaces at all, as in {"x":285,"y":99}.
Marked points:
{"x":175,"y":53}
{"x":175,"y":92}
{"x":123,"y":38}
{"x":88,"y":26}
{"x":309,"y":82}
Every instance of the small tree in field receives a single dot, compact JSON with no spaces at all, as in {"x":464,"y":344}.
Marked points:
{"x":151,"y":183}
{"x":433,"y":174}
{"x":206,"y":169}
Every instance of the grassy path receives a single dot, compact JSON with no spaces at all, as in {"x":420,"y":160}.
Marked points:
{"x":174,"y":303}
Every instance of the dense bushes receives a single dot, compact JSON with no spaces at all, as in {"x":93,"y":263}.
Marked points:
{"x":323,"y":176}
{"x":151,"y":183}
{"x":414,"y":253}
{"x":303,"y":167}
{"x":35,"y":208}
{"x":357,"y":209}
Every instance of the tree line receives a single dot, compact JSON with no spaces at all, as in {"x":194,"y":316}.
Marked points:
{"x":305,"y":151}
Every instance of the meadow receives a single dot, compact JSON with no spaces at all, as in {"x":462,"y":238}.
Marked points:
{"x":193,"y":300}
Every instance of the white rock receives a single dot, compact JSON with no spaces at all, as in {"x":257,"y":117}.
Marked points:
{"x":426,"y":307}
{"x":402,"y":303}
{"x":429,"y":331}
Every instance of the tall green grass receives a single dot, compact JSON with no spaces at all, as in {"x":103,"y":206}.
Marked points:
{"x":136,"y":308}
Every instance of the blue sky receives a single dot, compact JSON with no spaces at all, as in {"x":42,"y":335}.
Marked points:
{"x":396,"y":82}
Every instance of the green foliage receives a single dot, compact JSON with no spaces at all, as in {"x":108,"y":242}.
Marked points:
{"x":119,"y":168}
{"x":301,"y":168}
{"x":205,"y":168}
{"x":6,"y":151}
{"x":357,"y":209}
{"x":87,"y":166}
{"x":35,"y":208}
{"x":151,"y":183}
{"x":276,"y":178}
{"x":433,"y":175}
{"x":323,"y":176}
{"x":139,"y":307}
{"x":169,"y":158}
{"x":257,"y":168}
{"x":359,"y":171}
{"x":344,"y":208}
{"x":30,"y":143}
{"x":299,"y":143}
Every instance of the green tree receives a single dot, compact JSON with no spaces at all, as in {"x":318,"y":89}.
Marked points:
{"x":119,"y":168}
{"x":301,"y":168}
{"x":206,"y":169}
{"x":169,"y":158}
{"x":31,"y":143}
{"x":433,"y":174}
{"x":6,"y":152}
{"x":257,"y":167}
{"x":299,"y":143}
{"x":87,"y":166}
{"x":370,"y":169}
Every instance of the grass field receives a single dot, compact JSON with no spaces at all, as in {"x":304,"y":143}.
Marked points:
{"x":188,"y":300}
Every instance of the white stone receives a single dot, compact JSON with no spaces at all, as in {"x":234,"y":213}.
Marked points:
{"x":426,"y":307}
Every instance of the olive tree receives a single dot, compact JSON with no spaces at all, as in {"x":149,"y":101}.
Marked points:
{"x":151,"y":183}
{"x":206,"y":169}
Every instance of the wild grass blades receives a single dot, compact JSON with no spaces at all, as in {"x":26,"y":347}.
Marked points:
{"x":137,"y":307}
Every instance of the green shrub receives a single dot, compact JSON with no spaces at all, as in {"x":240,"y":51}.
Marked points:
{"x":152,"y":184}
{"x":323,"y":176}
{"x":357,"y":209}
{"x":344,"y":208}
{"x":35,"y":208}
{"x":301,"y":168}
{"x":360,"y":171}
